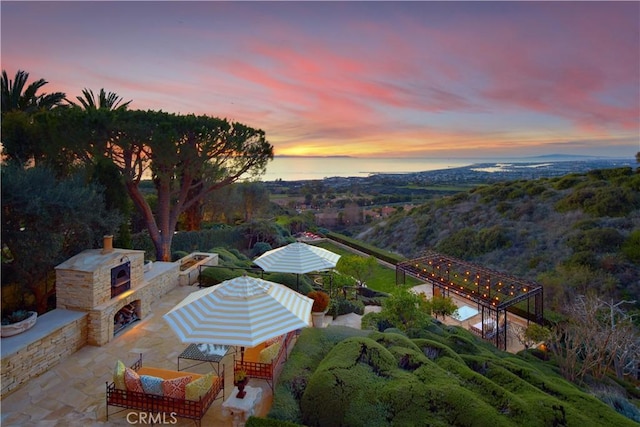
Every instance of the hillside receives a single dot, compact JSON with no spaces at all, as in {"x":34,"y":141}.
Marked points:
{"x":582,"y":229}
{"x":443,"y":377}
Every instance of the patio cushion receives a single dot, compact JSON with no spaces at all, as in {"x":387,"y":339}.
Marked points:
{"x":198,"y":388}
{"x":273,"y":340}
{"x":118,"y":375}
{"x":151,"y":384}
{"x":132,"y":380}
{"x":175,"y":387}
{"x":268,"y":354}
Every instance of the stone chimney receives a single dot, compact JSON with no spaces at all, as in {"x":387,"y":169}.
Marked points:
{"x":107,"y":244}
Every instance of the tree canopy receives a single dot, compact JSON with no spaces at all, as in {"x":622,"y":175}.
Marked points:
{"x":45,"y":221}
{"x":186,"y":156}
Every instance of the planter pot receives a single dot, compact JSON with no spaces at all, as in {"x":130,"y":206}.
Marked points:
{"x":318,"y":319}
{"x":241,"y":385}
{"x":19,"y":327}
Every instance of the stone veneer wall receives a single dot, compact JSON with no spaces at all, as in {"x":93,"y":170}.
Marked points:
{"x":83,"y":285}
{"x":38,"y":357}
{"x":147,"y":293}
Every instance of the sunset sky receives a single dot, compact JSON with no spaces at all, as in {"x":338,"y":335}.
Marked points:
{"x":379,"y":79}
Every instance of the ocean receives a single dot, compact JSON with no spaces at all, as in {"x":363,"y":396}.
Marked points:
{"x":312,"y":168}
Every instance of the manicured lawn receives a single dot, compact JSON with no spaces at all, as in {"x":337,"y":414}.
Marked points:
{"x":384,"y":278}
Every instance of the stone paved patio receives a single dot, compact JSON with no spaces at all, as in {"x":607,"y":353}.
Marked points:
{"x":73,"y":392}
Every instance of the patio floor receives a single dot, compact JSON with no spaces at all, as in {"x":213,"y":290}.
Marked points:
{"x":73,"y":392}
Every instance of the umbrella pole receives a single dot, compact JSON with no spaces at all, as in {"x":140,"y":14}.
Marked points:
{"x":298,"y":282}
{"x":242,"y":354}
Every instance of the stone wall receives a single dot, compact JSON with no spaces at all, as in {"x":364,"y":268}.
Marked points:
{"x":33,"y":359}
{"x":84,"y":281}
{"x":162,"y":278}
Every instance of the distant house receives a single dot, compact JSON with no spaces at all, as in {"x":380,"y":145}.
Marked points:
{"x":327,"y":219}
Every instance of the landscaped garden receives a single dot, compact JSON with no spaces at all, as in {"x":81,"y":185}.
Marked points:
{"x":442,"y":376}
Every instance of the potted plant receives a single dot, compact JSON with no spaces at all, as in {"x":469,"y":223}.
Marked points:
{"x":320,"y":303}
{"x":17,"y":322}
{"x":240,"y":379}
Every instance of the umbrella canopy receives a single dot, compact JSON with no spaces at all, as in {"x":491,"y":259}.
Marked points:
{"x":244,"y":311}
{"x":297,"y":258}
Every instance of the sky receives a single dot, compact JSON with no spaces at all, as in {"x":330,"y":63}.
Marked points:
{"x":367,"y":79}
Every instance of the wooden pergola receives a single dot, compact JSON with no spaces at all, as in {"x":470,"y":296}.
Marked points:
{"x":495,"y":293}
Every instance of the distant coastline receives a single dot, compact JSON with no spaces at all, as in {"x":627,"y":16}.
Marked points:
{"x":311,"y":168}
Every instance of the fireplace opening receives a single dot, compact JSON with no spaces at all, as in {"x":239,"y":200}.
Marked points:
{"x":120,"y":279}
{"x":125,"y":317}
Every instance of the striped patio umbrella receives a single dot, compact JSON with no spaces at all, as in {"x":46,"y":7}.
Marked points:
{"x":298,"y":258}
{"x":243,"y":311}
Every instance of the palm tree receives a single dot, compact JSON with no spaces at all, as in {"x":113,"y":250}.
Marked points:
{"x":108,"y":100}
{"x":15,"y":97}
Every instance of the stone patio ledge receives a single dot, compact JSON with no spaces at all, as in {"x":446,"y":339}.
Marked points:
{"x":46,"y":324}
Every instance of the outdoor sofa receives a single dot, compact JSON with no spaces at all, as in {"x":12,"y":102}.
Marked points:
{"x":264,"y":360}
{"x":161,"y":391}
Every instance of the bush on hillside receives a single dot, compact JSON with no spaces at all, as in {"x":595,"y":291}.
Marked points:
{"x":266,"y":422}
{"x":176,"y":255}
{"x":631,"y":247}
{"x":340,"y":305}
{"x":300,"y":283}
{"x":214,"y":275}
{"x":260,"y":248}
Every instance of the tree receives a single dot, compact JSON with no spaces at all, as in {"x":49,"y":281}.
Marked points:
{"x":406,"y":310}
{"x":15,"y":97}
{"x":443,"y":306}
{"x":358,"y":267}
{"x":595,"y":336}
{"x":105,"y":100}
{"x":180,"y":154}
{"x":45,"y":221}
{"x":530,"y":334}
{"x":21,"y":138}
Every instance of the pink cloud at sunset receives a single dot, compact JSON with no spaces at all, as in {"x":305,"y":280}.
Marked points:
{"x":356,"y":78}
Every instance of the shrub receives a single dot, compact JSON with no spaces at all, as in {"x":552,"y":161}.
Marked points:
{"x":176,"y":255}
{"x":320,"y":301}
{"x":266,"y":422}
{"x":260,"y":248}
{"x":213,"y":275}
{"x":300,"y":283}
{"x":340,"y":306}
{"x":596,"y":240}
{"x":631,"y":247}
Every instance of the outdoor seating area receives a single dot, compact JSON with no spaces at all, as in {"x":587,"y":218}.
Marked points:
{"x":265,"y":360}
{"x":182,"y":394}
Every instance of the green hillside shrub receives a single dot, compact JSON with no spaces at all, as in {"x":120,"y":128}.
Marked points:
{"x":340,"y":305}
{"x":266,"y":422}
{"x":260,"y":248}
{"x":567,"y":181}
{"x":300,"y":283}
{"x":214,"y":275}
{"x":631,"y":246}
{"x":596,"y":240}
{"x":176,"y":255}
{"x":388,"y":379}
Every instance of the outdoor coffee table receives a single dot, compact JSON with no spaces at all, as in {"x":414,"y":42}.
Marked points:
{"x":205,"y":353}
{"x":241,"y":409}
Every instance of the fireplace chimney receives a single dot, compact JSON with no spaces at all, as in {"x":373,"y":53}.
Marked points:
{"x":107,"y":244}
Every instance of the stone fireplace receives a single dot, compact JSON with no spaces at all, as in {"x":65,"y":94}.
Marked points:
{"x":113,"y":287}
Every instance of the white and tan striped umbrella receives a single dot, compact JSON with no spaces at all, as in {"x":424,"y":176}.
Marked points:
{"x":244,"y":311}
{"x":297,"y":258}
